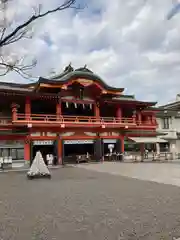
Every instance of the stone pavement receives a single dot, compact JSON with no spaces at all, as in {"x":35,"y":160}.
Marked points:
{"x":86,"y":205}
{"x":167,"y":173}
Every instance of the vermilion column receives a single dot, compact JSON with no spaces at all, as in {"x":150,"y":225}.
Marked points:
{"x":122,"y":144}
{"x":153,"y":119}
{"x":119,"y":113}
{"x":142,"y":149}
{"x":14,"y":111}
{"x":58,"y":110}
{"x":27,"y":150}
{"x":139,"y":118}
{"x":97,"y":111}
{"x":59,"y":150}
{"x":28,"y":108}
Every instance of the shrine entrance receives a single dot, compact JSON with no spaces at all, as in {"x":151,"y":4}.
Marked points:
{"x":111,"y":149}
{"x":73,"y":149}
{"x":47,"y":148}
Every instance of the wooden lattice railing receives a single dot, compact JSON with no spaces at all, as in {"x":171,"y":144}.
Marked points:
{"x":72,"y":119}
{"x":48,"y":119}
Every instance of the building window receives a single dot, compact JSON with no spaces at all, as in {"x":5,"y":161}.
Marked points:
{"x":15,"y":153}
{"x":166,"y":122}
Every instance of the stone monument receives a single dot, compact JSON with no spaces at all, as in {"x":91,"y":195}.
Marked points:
{"x":38,"y":168}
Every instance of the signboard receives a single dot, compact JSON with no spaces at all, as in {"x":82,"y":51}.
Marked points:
{"x":78,"y":142}
{"x":109,"y":140}
{"x":45,"y":142}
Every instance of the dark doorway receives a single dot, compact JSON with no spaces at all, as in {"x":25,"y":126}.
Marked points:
{"x":106,"y":143}
{"x":71,"y":150}
{"x":45,"y":149}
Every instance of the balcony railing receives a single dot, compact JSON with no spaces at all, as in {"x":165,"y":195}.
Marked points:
{"x":81,"y":120}
{"x":74,"y":121}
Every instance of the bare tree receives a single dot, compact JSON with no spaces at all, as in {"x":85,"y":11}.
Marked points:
{"x":9,"y":35}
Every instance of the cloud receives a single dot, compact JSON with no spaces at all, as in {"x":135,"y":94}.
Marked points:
{"x":128,"y":43}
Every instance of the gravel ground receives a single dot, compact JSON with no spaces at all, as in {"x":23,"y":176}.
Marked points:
{"x":85,"y":205}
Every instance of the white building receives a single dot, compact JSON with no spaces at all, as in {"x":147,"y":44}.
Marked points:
{"x":168,"y":119}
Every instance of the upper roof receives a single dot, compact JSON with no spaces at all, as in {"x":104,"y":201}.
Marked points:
{"x":175,"y":106}
{"x":63,"y":78}
{"x":70,"y":73}
{"x":83,"y":76}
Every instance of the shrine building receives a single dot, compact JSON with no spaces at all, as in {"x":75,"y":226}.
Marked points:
{"x":72,"y":113}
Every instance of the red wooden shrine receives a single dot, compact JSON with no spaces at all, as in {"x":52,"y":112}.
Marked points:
{"x":75,"y":105}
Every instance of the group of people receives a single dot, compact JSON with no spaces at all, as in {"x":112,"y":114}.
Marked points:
{"x":50,"y":159}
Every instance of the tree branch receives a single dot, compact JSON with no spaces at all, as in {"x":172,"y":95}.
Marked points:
{"x":67,"y":4}
{"x":8,"y":37}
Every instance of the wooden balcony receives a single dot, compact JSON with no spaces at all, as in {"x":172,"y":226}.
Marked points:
{"x":78,"y":121}
{"x":72,"y":121}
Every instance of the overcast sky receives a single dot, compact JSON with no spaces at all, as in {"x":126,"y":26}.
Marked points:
{"x":129,"y":43}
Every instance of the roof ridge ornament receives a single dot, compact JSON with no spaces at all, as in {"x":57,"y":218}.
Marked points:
{"x":84,"y":69}
{"x":69,"y":68}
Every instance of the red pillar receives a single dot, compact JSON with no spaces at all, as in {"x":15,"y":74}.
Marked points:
{"x":139,"y":118}
{"x":14,"y":111}
{"x":97,"y":111}
{"x":154,"y":119}
{"x":149,"y":120}
{"x":28,"y":108}
{"x":58,"y":110}
{"x":122,"y":144}
{"x":142,"y":149}
{"x":27,"y":150}
{"x":59,"y":150}
{"x":119,"y":113}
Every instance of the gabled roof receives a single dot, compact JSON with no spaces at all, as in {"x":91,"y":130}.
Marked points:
{"x":71,"y":73}
{"x":173,"y":105}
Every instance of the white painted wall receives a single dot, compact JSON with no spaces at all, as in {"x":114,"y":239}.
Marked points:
{"x":171,"y":136}
{"x":171,"y":132}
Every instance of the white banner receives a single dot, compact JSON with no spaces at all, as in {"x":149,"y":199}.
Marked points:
{"x":78,"y":142}
{"x":109,"y":140}
{"x":45,"y":142}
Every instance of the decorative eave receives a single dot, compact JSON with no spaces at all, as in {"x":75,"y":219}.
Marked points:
{"x":129,"y":99}
{"x":70,"y":74}
{"x":5,"y":86}
{"x":171,"y":106}
{"x":167,"y":113}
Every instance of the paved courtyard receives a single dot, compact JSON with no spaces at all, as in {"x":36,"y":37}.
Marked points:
{"x":167,"y":173}
{"x":81,"y":204}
